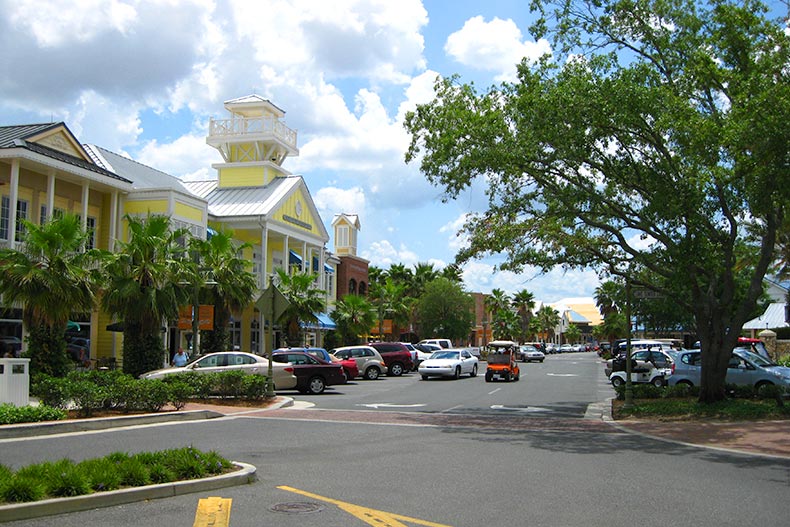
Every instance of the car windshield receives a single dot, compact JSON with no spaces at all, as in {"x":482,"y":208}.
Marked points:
{"x":498,"y":357}
{"x":759,"y":360}
{"x":445,"y":355}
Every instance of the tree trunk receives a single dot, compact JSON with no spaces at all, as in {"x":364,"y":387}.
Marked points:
{"x":717,"y":341}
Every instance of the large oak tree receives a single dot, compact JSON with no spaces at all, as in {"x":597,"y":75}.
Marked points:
{"x":652,"y":143}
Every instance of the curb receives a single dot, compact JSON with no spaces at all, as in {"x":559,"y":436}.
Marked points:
{"x":103,"y":423}
{"x":100,"y":423}
{"x":23,"y":511}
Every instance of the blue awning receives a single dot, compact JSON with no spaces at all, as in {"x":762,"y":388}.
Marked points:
{"x":324,"y":322}
{"x":295,"y":259}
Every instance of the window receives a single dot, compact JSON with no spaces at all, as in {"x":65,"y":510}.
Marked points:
{"x":43,"y":217}
{"x":91,"y":229}
{"x":5,"y":214}
{"x":234,"y":328}
{"x":342,"y":236}
{"x":352,"y":286}
{"x":363,"y":289}
{"x":255,"y":334}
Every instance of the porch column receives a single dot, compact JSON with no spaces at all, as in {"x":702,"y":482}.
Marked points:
{"x":13,"y":197}
{"x":305,"y":267}
{"x":50,"y":196}
{"x":113,"y":221}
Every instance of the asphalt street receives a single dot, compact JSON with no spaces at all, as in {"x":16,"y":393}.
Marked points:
{"x":472,"y":454}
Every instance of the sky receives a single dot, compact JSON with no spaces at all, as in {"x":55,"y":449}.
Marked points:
{"x":143,"y":78}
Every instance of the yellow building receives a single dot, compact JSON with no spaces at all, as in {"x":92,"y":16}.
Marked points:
{"x":44,"y":171}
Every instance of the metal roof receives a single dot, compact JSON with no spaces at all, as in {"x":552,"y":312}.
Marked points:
{"x":243,"y":201}
{"x":16,"y":137}
{"x":141,"y":176}
{"x":773,"y":318}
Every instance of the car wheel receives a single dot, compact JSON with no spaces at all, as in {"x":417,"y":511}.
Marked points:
{"x":474,"y":371}
{"x":541,"y":361}
{"x":316,"y":385}
{"x":658,"y":382}
{"x":617,"y":382}
{"x":457,"y":373}
{"x":424,"y":377}
{"x":489,"y":377}
{"x":507,"y":376}
{"x":396,"y":370}
{"x":518,"y":376}
{"x":372,"y":373}
{"x":761,"y":384}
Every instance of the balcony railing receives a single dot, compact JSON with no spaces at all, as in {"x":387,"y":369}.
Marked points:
{"x":252,"y":126}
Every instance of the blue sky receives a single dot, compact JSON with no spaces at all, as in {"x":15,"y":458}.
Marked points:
{"x":142,"y":78}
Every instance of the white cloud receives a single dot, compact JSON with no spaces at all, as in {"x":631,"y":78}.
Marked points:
{"x":383,"y":254}
{"x":187,"y":157}
{"x":333,"y":200}
{"x":495,"y":46}
{"x":455,"y":241}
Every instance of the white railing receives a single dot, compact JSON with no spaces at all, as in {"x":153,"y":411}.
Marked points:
{"x":250,"y":126}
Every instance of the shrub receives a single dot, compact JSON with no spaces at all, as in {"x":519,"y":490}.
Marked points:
{"x":230,"y":383}
{"x":133,"y":472}
{"x":154,"y":394}
{"x":740,"y":391}
{"x":21,"y":488}
{"x":773,"y":391}
{"x":10,"y":414}
{"x":179,"y":392}
{"x":50,"y":391}
{"x":186,"y":463}
{"x":681,"y":391}
{"x":254,"y":386}
{"x":66,"y":479}
{"x":87,"y":396}
{"x":101,"y":473}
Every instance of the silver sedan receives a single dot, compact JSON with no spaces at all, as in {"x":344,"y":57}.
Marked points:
{"x":449,"y":363}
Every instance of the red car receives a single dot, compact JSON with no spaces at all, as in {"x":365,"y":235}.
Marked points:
{"x":313,"y":375}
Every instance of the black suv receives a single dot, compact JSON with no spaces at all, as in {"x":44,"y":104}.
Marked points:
{"x":396,"y":356}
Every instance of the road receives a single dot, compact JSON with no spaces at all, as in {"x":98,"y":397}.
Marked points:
{"x":473,"y":454}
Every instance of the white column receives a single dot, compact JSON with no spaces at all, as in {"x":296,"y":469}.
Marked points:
{"x":113,"y":221}
{"x":13,"y":197}
{"x":85,"y":195}
{"x":305,"y":267}
{"x":287,"y":255}
{"x":264,"y":253}
{"x":50,"y":196}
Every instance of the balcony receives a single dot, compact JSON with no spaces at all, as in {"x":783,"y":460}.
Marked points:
{"x":223,"y":130}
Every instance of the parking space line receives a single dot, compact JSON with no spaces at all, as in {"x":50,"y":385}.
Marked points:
{"x":369,"y":516}
{"x":493,"y":392}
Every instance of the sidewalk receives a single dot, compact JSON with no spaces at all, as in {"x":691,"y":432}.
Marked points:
{"x":765,"y":438}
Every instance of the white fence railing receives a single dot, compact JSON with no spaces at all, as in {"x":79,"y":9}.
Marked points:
{"x":252,"y":126}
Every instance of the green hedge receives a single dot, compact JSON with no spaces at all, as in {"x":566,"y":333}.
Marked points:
{"x":679,"y":391}
{"x":10,"y":414}
{"x":66,"y":478}
{"x":89,"y":391}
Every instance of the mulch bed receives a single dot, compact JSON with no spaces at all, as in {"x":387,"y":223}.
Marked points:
{"x":242,"y":403}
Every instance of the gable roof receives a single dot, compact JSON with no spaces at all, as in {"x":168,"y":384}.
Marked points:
{"x":253,"y":201}
{"x":25,"y":136}
{"x":772,"y":318}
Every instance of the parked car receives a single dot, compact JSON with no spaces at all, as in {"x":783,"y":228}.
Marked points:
{"x":313,"y":375}
{"x":413,"y":352}
{"x":745,"y":368}
{"x":657,"y":356}
{"x":443,"y":343}
{"x":529,"y":353}
{"x":396,"y":356}
{"x":424,"y":352}
{"x":12,"y":345}
{"x":449,"y":363}
{"x":282,"y":374}
{"x":565,"y":348}
{"x":370,"y":364}
{"x":349,"y":366}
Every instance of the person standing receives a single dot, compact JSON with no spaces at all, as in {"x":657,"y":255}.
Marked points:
{"x":180,"y":358}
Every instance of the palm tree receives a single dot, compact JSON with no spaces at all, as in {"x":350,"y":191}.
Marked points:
{"x":400,"y":274}
{"x":354,"y":316}
{"x":388,"y":301}
{"x":423,"y":273}
{"x":305,"y":301}
{"x":147,"y":278}
{"x":453,"y":273}
{"x":226,"y":281}
{"x":524,"y":302}
{"x":497,"y":301}
{"x":548,"y":319}
{"x":607,"y":297}
{"x":51,"y":277}
{"x":375,"y":275}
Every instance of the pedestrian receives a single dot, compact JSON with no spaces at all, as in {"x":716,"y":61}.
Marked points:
{"x":180,"y":358}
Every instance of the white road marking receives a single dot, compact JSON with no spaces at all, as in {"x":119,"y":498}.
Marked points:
{"x":562,"y":375}
{"x":390,"y":405}
{"x":528,"y":409}
{"x":493,"y":392}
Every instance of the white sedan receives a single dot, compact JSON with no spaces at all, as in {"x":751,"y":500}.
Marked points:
{"x":283,"y":374}
{"x":449,"y":363}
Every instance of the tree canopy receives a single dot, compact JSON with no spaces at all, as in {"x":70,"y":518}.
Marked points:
{"x":651,"y":145}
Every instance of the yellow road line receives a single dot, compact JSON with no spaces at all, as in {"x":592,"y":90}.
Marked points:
{"x":369,"y":516}
{"x":213,"y":512}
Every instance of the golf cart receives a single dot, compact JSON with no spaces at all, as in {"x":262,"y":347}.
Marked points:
{"x":501,"y":359}
{"x":644,"y":373}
